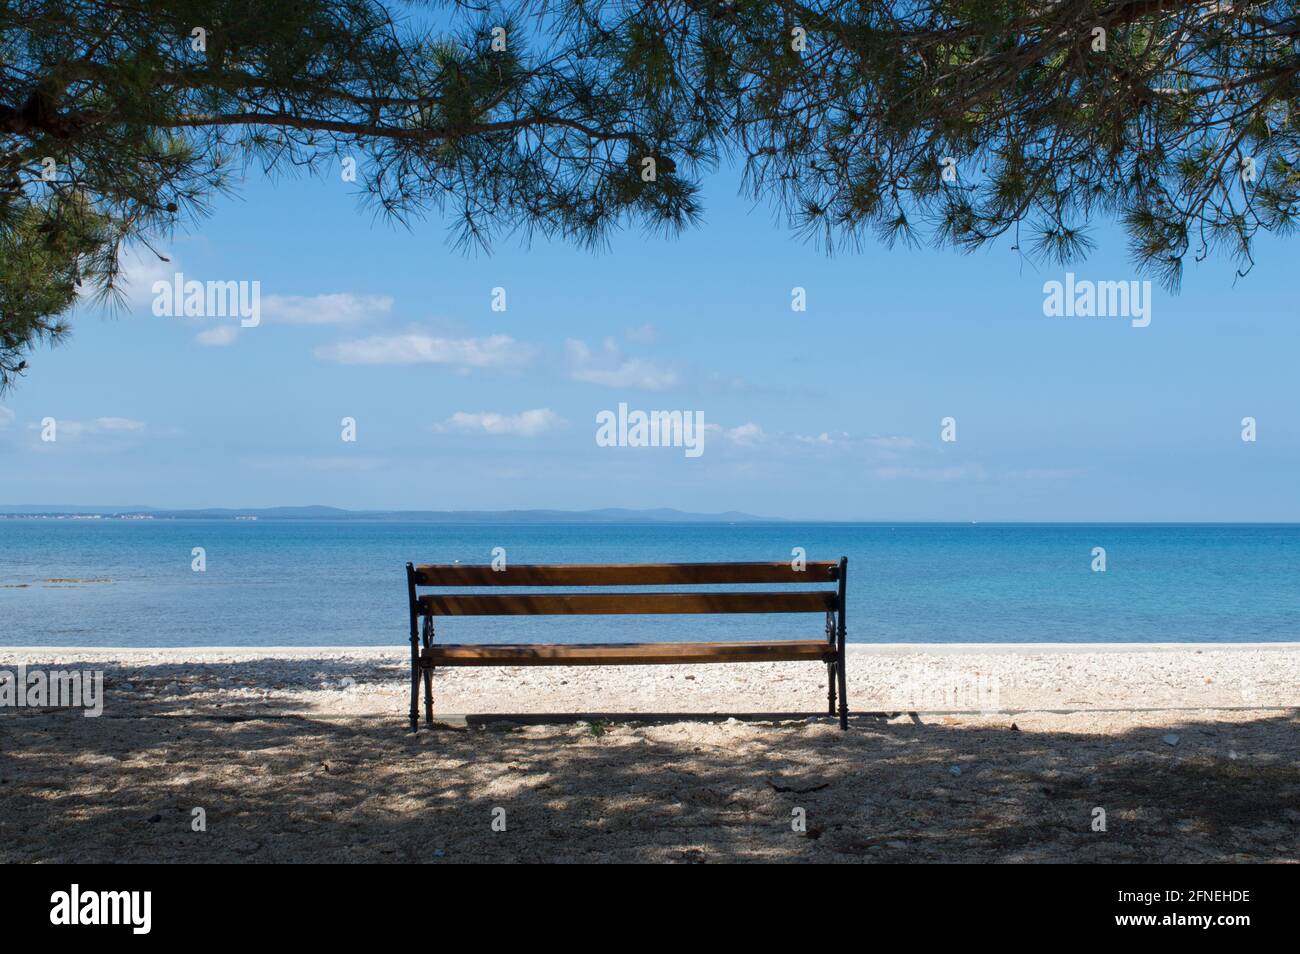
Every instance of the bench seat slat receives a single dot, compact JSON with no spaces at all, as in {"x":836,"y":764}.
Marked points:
{"x":623,"y":574}
{"x":614,"y":654}
{"x":622,"y":604}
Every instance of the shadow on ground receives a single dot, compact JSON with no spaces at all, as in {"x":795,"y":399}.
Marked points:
{"x":286,"y":783}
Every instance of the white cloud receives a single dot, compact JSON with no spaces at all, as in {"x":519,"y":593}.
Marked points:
{"x":117,"y":424}
{"x":613,"y":369}
{"x":1044,"y":473}
{"x":218,"y":335}
{"x":325,"y":465}
{"x":336,"y":309}
{"x":138,"y":269}
{"x":633,"y":373}
{"x":101,"y":425}
{"x":887,"y":443}
{"x":891,"y":442}
{"x":746,"y":435}
{"x":524,"y":424}
{"x":494,"y":351}
{"x":886,"y":453}
{"x":940,"y":474}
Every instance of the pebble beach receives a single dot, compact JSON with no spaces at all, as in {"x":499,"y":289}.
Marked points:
{"x":955,"y":753}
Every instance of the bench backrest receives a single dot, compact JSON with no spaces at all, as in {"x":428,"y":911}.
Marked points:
{"x":828,"y":598}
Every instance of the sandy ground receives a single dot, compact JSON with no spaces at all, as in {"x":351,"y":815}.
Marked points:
{"x":955,"y":753}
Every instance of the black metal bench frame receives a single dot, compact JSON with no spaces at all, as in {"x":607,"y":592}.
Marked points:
{"x":426,"y":656}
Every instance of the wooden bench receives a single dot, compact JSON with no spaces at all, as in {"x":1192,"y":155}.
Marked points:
{"x":426,"y":656}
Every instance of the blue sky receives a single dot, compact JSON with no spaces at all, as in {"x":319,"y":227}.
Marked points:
{"x":832,"y":413}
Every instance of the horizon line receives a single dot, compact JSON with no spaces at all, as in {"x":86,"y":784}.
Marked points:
{"x":18,"y":511}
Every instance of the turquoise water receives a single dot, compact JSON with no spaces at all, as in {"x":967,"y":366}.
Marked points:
{"x":323,"y":582}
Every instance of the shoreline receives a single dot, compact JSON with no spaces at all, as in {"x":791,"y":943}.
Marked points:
{"x":938,"y":678}
{"x":851,"y":647}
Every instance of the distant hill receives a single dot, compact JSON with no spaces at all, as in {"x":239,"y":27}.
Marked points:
{"x":605,"y":515}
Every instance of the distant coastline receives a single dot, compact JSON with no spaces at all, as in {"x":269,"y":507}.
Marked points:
{"x":612,"y":516}
{"x":606,"y":515}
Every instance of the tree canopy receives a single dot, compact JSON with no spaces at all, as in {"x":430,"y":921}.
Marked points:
{"x":945,"y":121}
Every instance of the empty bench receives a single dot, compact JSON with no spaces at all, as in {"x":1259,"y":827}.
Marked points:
{"x":822,"y":591}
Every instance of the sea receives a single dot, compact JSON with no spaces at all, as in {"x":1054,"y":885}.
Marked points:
{"x":325,"y":582}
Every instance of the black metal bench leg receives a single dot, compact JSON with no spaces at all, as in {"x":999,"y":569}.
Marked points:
{"x":844,"y":691}
{"x":830,"y":687}
{"x":841,"y":637}
{"x":428,"y":673}
{"x":415,"y":650}
{"x":415,"y":691}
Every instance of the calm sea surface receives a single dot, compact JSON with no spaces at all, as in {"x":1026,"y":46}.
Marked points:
{"x":322,"y":582}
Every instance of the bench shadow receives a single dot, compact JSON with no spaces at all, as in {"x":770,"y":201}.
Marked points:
{"x":282,"y":783}
{"x":491,"y":719}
